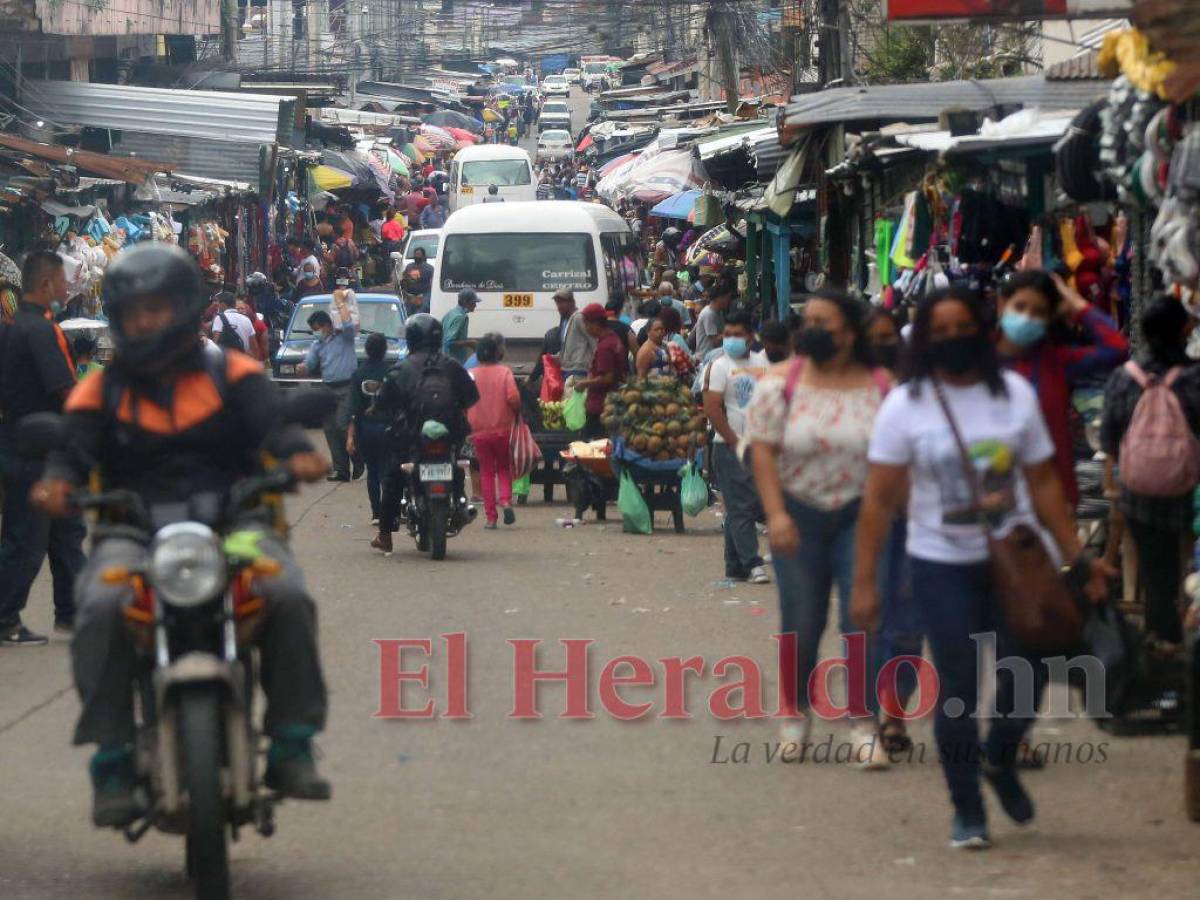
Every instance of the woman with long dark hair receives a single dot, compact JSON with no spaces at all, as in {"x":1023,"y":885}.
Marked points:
{"x":809,"y":424}
{"x":956,"y":378}
{"x":1054,"y":338}
{"x":1160,"y":526}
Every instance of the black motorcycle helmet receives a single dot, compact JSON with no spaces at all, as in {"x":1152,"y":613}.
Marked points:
{"x":423,"y":333}
{"x":671,"y":237}
{"x":147,"y":270}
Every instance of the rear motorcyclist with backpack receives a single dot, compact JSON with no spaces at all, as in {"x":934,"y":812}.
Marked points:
{"x":178,"y":426}
{"x":427,"y":385}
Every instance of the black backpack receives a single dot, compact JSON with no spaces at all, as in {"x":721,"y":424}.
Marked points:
{"x":228,"y":336}
{"x":433,"y":395}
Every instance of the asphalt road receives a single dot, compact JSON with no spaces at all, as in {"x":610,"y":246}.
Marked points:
{"x":579,"y":102}
{"x":496,"y":807}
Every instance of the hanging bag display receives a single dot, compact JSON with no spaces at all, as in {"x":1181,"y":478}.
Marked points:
{"x":707,"y":209}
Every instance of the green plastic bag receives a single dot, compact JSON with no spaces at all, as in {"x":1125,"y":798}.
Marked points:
{"x":635,"y":514}
{"x":575,"y":412}
{"x":521,"y":486}
{"x":693,"y":493}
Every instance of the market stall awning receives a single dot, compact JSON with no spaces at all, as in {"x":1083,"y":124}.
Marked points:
{"x":55,"y":208}
{"x":678,"y":206}
{"x":584,"y":144}
{"x":327,"y":178}
{"x":924,"y":101}
{"x":1029,"y":127}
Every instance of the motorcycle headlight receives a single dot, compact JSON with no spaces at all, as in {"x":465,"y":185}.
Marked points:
{"x":187,"y":567}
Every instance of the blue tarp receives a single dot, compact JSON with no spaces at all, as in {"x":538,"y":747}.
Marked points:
{"x":678,"y":206}
{"x":638,"y":464}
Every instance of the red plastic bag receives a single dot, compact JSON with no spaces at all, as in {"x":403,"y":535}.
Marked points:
{"x":524,"y":449}
{"x":552,"y":381}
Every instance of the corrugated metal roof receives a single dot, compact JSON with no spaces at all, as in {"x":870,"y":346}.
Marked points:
{"x":768,"y":155}
{"x":212,"y":115}
{"x":926,"y":100}
{"x":196,"y":156}
{"x":733,"y":138}
{"x":1086,"y":66}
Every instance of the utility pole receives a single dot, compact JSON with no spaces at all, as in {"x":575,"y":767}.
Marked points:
{"x":229,"y":30}
{"x":721,"y":29}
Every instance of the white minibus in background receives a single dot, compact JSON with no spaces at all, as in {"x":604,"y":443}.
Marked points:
{"x":490,"y":173}
{"x":515,"y":256}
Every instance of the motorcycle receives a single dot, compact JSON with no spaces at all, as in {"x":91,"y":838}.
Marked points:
{"x":435,"y":506}
{"x":193,"y":616}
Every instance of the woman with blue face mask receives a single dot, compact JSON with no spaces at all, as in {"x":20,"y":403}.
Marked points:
{"x":1057,"y":340}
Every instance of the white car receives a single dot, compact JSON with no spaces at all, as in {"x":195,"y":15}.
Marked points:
{"x":556,"y":84}
{"x":555,"y":144}
{"x":573,"y":76}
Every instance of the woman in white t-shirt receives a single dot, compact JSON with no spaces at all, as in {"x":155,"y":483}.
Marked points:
{"x":808,"y":423}
{"x":914,"y":455}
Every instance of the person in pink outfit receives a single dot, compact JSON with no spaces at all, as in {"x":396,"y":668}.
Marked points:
{"x":492,"y":419}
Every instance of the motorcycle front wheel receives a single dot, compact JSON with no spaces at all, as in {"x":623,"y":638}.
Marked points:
{"x":200,"y":737}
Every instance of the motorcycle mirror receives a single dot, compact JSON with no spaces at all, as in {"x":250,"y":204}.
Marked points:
{"x":40,"y":433}
{"x":310,"y":408}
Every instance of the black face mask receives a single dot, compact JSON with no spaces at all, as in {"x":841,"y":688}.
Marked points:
{"x":886,"y":355}
{"x":817,"y":344}
{"x":776,"y":354}
{"x":958,"y":355}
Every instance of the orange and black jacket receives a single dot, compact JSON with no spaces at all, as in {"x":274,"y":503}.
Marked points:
{"x":197,"y":431}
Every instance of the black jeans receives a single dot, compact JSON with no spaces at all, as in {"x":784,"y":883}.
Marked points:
{"x":26,"y":538}
{"x":374,"y":445}
{"x":1160,"y":575}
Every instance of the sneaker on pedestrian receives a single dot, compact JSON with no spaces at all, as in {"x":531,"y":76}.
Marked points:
{"x":375,"y":521}
{"x":64,"y":626}
{"x":338,"y":476}
{"x":358,"y":471}
{"x":969,"y":831}
{"x":490,"y":525}
{"x":509,"y":515}
{"x":1013,"y":798}
{"x":20,"y":636}
{"x":869,"y":753}
{"x":759,"y":575}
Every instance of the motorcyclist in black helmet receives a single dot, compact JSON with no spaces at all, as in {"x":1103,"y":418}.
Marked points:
{"x":267,"y":301}
{"x":405,"y":400}
{"x":178,"y":426}
{"x":666,"y":253}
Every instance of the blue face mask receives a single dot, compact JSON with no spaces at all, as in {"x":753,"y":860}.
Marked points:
{"x":1021,"y":329}
{"x":735,"y":346}
{"x":55,"y":307}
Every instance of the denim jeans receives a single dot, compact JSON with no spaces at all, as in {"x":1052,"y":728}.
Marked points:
{"x":959,"y":601}
{"x":375,"y":447}
{"x":741,"y":505}
{"x":26,"y":538}
{"x":336,"y":427}
{"x":900,"y":625}
{"x":806,"y":581}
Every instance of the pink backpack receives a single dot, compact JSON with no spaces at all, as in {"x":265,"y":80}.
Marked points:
{"x":1160,"y":456}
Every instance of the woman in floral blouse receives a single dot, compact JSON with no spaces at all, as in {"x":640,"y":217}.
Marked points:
{"x":809,"y":425}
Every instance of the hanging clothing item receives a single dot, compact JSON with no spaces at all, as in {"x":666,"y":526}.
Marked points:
{"x":883,"y":248}
{"x":900,"y":255}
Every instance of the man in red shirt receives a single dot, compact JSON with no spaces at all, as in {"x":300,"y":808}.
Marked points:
{"x":608,"y":368}
{"x":415,"y":201}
